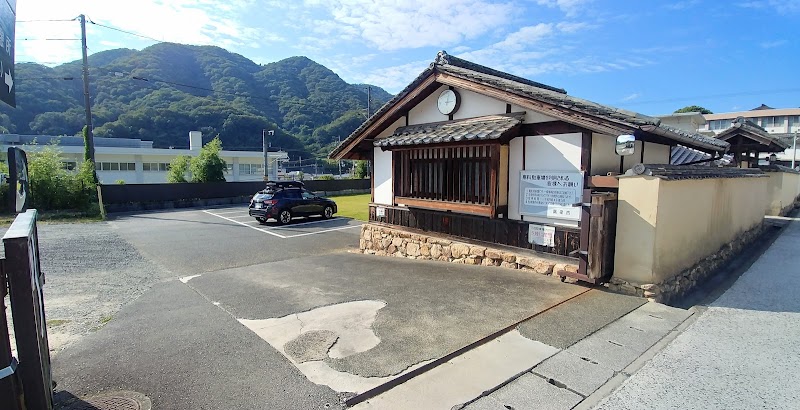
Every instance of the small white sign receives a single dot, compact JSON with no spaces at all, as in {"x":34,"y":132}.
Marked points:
{"x":541,"y":235}
{"x":380,"y":212}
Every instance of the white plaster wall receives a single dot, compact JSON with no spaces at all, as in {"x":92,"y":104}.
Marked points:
{"x":427,"y":111}
{"x":531,"y":117}
{"x":476,"y":105}
{"x":604,"y":155}
{"x":390,"y":130}
{"x":383,"y":177}
{"x":656,"y":153}
{"x":553,"y":152}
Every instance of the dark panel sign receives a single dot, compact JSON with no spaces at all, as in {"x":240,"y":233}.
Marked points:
{"x":8,"y":19}
{"x":19,"y":188}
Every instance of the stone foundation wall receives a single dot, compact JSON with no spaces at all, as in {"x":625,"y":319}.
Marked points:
{"x":382,"y":240}
{"x":677,"y":286}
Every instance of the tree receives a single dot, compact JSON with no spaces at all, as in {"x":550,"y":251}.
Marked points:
{"x":694,"y":108}
{"x":208,"y":166}
{"x":178,"y":168}
{"x":361,"y":169}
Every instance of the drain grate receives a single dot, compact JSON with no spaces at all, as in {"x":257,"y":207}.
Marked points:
{"x":112,"y":401}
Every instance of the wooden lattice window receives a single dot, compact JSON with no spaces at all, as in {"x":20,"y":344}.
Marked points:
{"x":459,"y":174}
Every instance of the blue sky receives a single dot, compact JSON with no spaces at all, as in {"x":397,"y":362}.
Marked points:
{"x":649,"y":56}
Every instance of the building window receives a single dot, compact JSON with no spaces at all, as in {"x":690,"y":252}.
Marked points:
{"x":794,"y":123}
{"x":69,"y":165}
{"x":773,"y":122}
{"x":452,"y":174}
{"x":719,"y":124}
{"x":250,"y":169}
{"x":154,"y":166}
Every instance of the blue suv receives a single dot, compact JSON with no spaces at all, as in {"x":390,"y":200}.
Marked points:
{"x":286,"y":200}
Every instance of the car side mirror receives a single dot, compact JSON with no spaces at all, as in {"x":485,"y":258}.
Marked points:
{"x":626,"y":145}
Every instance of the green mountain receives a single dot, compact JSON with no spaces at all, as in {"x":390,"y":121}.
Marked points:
{"x":166,"y":90}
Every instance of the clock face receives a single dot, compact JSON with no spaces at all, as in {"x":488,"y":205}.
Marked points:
{"x":449,"y":101}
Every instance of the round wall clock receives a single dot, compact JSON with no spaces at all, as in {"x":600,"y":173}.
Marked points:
{"x":448,"y":103}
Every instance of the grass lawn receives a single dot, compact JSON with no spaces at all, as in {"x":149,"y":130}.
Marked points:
{"x":353,"y":206}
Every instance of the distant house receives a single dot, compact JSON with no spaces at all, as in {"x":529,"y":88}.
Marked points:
{"x":475,"y":153}
{"x":137,"y":162}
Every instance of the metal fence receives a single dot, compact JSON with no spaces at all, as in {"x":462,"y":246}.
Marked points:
{"x":142,"y":193}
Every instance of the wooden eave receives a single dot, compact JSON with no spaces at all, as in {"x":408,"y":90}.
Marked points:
{"x":740,"y":140}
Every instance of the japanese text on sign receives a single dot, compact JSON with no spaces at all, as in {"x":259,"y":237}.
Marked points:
{"x":541,"y":235}
{"x":551,"y":194}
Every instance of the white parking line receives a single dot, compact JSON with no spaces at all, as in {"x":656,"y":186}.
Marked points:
{"x":240,"y":216}
{"x":323,"y":231}
{"x":244,"y":224}
{"x":305,"y":223}
{"x":230,"y":212}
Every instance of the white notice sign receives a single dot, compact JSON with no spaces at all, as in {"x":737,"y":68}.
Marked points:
{"x":541,"y":235}
{"x":380,"y":212}
{"x":551,"y":194}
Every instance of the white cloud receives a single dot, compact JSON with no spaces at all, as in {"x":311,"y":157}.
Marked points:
{"x":395,"y":78}
{"x":681,"y":5}
{"x":773,"y":44}
{"x":201,"y":22}
{"x":395,"y":25}
{"x":569,"y":7}
{"x":631,"y":97}
{"x":781,"y":6}
{"x":524,"y":37}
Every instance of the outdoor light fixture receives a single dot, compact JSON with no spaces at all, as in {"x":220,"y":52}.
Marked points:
{"x":773,"y":158}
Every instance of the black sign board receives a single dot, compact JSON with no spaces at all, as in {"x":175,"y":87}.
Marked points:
{"x":8,"y":20}
{"x":18,"y":183}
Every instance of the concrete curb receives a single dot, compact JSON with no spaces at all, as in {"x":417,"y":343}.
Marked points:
{"x":615,"y":382}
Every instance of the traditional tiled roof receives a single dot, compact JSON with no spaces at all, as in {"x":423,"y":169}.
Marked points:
{"x":490,"y":127}
{"x":752,"y":131}
{"x":680,"y":155}
{"x":477,"y":73}
{"x":778,"y":168}
{"x":675,"y":172}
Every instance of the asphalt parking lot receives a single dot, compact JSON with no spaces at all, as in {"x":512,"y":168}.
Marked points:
{"x":254,"y":315}
{"x":303,"y":226}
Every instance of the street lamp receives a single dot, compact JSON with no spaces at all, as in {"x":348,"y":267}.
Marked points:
{"x":794,"y":146}
{"x":264,"y":134}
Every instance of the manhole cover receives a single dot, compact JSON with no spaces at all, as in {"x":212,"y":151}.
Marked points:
{"x":108,"y":403}
{"x":112,"y":401}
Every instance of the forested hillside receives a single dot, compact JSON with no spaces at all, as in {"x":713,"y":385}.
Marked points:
{"x":166,"y":90}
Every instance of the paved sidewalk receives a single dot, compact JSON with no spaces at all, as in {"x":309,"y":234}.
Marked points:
{"x":741,"y":353}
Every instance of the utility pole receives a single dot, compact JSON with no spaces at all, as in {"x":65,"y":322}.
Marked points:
{"x":86,"y":100}
{"x":794,"y":148}
{"x":369,"y":101}
{"x":339,"y":142}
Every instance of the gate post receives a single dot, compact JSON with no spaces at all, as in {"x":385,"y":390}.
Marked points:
{"x":25,"y":280}
{"x":9,"y":387}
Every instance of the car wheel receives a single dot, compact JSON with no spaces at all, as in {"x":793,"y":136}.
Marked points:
{"x":327,"y":213}
{"x":285,"y":217}
{"x":261,"y":220}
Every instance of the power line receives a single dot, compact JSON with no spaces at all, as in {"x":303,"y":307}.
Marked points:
{"x":49,"y":39}
{"x":41,"y":21}
{"x":126,"y":32}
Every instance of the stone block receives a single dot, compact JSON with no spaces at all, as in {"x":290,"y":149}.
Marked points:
{"x":436,"y":251}
{"x":391,"y":249}
{"x":367,"y":235}
{"x":447,"y":252}
{"x":509,"y":257}
{"x":385,"y":243}
{"x":543,"y":267}
{"x":412,"y":249}
{"x":459,"y":250}
{"x":477,"y":251}
{"x":494,"y":254}
{"x":472,"y":260}
{"x":425,"y":250}
{"x":396,"y":241}
{"x":510,"y":265}
{"x":362,"y":244}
